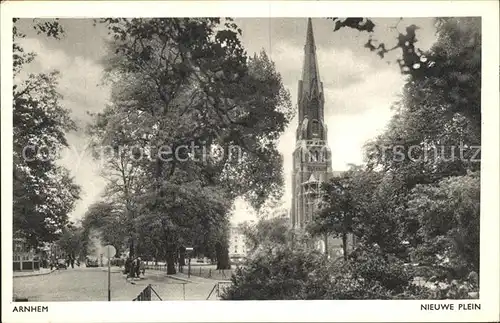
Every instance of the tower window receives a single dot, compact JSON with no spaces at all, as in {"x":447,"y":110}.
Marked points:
{"x":315,"y":128}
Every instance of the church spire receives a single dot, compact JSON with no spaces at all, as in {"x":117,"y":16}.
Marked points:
{"x":311,"y":84}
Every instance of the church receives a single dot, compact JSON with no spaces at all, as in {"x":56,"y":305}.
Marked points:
{"x":312,"y":158}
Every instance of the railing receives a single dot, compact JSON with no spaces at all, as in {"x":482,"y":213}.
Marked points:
{"x":217,"y":274}
{"x":219,"y":288}
{"x":145,"y":295}
{"x":156,"y":267}
{"x":26,"y":265}
{"x":198,"y":270}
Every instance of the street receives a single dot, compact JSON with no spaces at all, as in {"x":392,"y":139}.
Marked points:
{"x":90,"y":284}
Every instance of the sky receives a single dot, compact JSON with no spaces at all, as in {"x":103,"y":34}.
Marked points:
{"x":359,"y":86}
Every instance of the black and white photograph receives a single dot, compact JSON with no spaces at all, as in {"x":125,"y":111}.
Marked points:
{"x":161,"y":158}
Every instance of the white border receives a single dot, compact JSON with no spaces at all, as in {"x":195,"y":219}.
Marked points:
{"x":290,"y":311}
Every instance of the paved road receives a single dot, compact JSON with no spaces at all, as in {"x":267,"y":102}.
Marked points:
{"x":90,"y":284}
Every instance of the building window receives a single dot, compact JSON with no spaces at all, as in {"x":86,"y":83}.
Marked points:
{"x":315,"y":128}
{"x":312,"y":156}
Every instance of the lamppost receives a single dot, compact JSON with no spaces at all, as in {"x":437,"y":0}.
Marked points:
{"x":189,"y":252}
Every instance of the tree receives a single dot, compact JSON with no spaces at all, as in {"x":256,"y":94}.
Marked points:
{"x":336,"y":213}
{"x":44,"y":192}
{"x":429,"y":152}
{"x":289,"y":272}
{"x":108,"y":219}
{"x":179,"y":83}
{"x":280,"y":274}
{"x":449,"y":216}
{"x":266,"y":234}
{"x":72,"y":241}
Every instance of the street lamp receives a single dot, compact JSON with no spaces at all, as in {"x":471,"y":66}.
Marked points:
{"x":189,"y":251}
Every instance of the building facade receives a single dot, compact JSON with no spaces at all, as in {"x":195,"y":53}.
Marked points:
{"x":312,"y":156}
{"x":25,"y":258}
{"x":237,"y":243}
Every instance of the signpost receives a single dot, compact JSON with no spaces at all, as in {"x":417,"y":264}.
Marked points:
{"x":189,"y":250}
{"x":109,"y":252}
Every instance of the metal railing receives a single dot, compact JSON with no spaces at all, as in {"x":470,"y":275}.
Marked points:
{"x":219,"y":288}
{"x":200,"y":271}
{"x":146,"y":294}
{"x":219,"y":274}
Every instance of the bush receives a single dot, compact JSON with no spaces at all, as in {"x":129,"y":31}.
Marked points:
{"x":279,"y":273}
{"x":286,"y":273}
{"x":389,"y":272}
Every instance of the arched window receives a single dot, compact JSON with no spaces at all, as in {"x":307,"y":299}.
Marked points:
{"x":315,"y":128}
{"x":313,"y":156}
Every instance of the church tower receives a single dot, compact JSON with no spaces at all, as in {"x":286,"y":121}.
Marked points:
{"x":312,"y":156}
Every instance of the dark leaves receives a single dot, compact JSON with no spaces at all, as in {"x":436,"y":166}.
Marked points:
{"x":361,"y":24}
{"x":44,"y":193}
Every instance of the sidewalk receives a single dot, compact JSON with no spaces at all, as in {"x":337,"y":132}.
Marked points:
{"x":197,"y":279}
{"x":42,"y":271}
{"x":183,"y":277}
{"x":178,"y":278}
{"x":113,"y":269}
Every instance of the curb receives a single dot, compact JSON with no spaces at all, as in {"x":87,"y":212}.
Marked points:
{"x":113,"y":271}
{"x":179,"y":278}
{"x":37,"y":274}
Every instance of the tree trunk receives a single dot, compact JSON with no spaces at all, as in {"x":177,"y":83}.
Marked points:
{"x":222,"y":254}
{"x":344,"y":245}
{"x":326,"y":246}
{"x":131,"y":247}
{"x":171,"y":262}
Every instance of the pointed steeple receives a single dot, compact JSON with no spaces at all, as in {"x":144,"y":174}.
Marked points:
{"x":310,"y":72}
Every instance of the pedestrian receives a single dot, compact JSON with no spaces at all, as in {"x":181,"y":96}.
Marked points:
{"x":137,"y":267}
{"x":128,"y":267}
{"x":72,"y":260}
{"x":143,"y":267}
{"x":132,"y":268}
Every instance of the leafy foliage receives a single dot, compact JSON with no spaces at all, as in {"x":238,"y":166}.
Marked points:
{"x":44,"y":192}
{"x":296,"y":272}
{"x":204,"y":118}
{"x":336,"y":212}
{"x":266,"y":234}
{"x":106,"y":219}
{"x":73,"y":241}
{"x":423,"y":204}
{"x":449,"y":216}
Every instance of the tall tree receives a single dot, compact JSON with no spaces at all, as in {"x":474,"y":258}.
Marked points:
{"x":44,"y":192}
{"x":185,"y":93}
{"x":448,"y":213}
{"x":266,"y":234}
{"x":108,"y":220}
{"x":72,"y":241}
{"x":335,"y":216}
{"x":430,"y":151}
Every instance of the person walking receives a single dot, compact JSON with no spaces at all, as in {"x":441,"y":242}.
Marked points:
{"x":142,"y":267}
{"x":128,"y":267}
{"x":137,"y":267}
